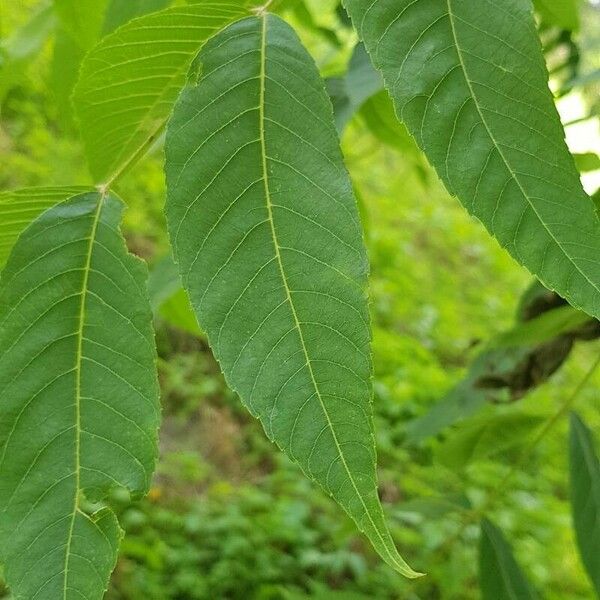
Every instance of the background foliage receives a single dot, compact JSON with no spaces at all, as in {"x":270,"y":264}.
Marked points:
{"x":227,"y":515}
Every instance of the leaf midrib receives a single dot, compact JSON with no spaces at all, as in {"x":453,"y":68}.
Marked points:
{"x":511,"y":172}
{"x":297,"y":326}
{"x":77,"y":367}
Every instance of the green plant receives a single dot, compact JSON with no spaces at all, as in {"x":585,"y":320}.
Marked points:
{"x":267,"y":236}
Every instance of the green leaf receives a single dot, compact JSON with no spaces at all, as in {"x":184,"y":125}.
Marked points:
{"x":18,"y":50}
{"x":20,"y":207}
{"x":585,"y":496}
{"x":378,"y":113}
{"x":168,"y":298}
{"x":561,"y":13}
{"x":83,"y":19}
{"x":587,"y":161}
{"x":486,"y":436}
{"x":120,"y":12}
{"x":79,"y":398}
{"x":469,"y":81}
{"x":131,"y":79}
{"x":500,"y":576}
{"x":64,"y":72}
{"x":266,"y":233}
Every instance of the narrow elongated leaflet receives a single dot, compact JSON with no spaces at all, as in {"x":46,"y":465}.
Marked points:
{"x":130,"y":80}
{"x":585,"y":496}
{"x":19,"y":208}
{"x":79,"y":398}
{"x":500,"y":576}
{"x":469,"y":80}
{"x":266,"y":232}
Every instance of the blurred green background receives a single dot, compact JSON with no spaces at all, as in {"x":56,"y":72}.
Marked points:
{"x":228,"y":516}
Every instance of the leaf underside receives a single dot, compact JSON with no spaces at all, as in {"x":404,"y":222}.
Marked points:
{"x":585,"y":496}
{"x":469,"y":80}
{"x":266,"y":232}
{"x":130,"y":80}
{"x":20,"y":207}
{"x":79,"y":398}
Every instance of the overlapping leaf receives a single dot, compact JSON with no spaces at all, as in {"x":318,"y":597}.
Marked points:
{"x":469,"y":81}
{"x":130,"y":80}
{"x":585,"y":496}
{"x":266,"y":232}
{"x":79,"y":398}
{"x":20,"y":207}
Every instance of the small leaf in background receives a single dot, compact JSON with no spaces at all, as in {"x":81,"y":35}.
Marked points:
{"x":168,"y":299}
{"x":585,"y":496}
{"x":130,"y":80}
{"x":267,"y":236}
{"x":17,"y":50}
{"x":20,"y":207}
{"x":588,"y":161}
{"x":560,"y":13}
{"x":79,"y":392}
{"x":486,"y":436}
{"x":470,"y":83}
{"x":83,"y":19}
{"x":500,"y":577}
{"x":120,"y":12}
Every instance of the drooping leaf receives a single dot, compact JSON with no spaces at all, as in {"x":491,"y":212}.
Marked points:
{"x":500,"y":577}
{"x":130,"y":80}
{"x":266,"y":233}
{"x":585,"y":496}
{"x":79,"y":398}
{"x":83,"y":19}
{"x":20,"y":207}
{"x":469,"y":81}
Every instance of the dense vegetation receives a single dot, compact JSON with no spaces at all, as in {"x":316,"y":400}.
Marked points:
{"x":488,"y":480}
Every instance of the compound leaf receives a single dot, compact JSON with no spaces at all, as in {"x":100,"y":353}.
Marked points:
{"x":20,"y":207}
{"x":79,"y":398}
{"x":130,"y":80}
{"x":469,"y":81}
{"x":268,"y":240}
{"x":585,"y":496}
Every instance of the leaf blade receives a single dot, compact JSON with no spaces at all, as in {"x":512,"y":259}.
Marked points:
{"x":500,"y":576}
{"x":20,"y":207}
{"x":130,"y":80}
{"x":471,"y":86}
{"x":75,"y":422}
{"x":584,"y":468}
{"x":285,"y":265}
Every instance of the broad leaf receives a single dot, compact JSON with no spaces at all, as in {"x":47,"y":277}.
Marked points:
{"x":500,"y":576}
{"x":266,"y":232}
{"x":585,"y":496}
{"x":469,"y":80}
{"x":79,"y":398}
{"x":129,"y":82}
{"x":20,"y":207}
